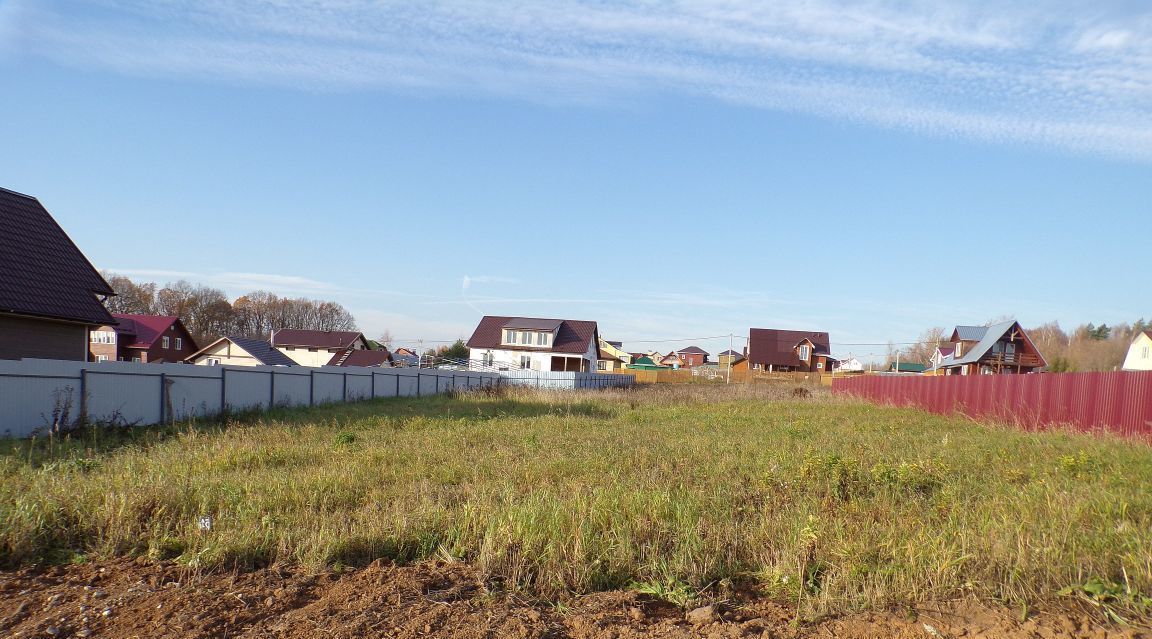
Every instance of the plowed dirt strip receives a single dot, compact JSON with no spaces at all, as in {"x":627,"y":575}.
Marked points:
{"x":129,"y":599}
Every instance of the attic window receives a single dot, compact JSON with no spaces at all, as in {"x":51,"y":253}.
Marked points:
{"x":805,"y":351}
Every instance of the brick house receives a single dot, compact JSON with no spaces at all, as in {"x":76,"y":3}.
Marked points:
{"x":141,"y":338}
{"x":693,"y":356}
{"x":50,"y":294}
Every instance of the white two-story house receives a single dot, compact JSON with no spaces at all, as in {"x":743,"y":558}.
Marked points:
{"x":532,"y":343}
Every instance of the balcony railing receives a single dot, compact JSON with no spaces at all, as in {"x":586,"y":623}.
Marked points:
{"x":1013,"y":359}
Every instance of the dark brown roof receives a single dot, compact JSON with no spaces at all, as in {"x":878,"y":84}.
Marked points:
{"x":315,"y":339}
{"x":361,"y":357}
{"x":573,"y":336}
{"x":42,"y":273}
{"x":776,"y":347}
{"x":693,"y":349}
{"x":533,"y":323}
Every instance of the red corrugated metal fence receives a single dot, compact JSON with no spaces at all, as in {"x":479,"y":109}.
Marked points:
{"x":1119,"y":402}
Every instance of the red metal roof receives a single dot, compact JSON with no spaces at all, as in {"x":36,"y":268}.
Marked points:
{"x":777,"y":347}
{"x":42,"y":273}
{"x":142,"y":331}
{"x":573,"y":336}
{"x":361,"y":357}
{"x":315,"y":339}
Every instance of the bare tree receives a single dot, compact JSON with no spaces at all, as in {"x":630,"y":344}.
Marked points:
{"x":131,"y":298}
{"x":925,"y":347}
{"x":208,"y":314}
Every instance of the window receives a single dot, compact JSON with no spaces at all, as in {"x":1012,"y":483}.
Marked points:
{"x":164,"y":342}
{"x":541,"y":339}
{"x":289,"y":348}
{"x":312,"y":350}
{"x":526,"y":338}
{"x":136,"y":359}
{"x":103,"y":337}
{"x":805,"y":351}
{"x":487,"y":359}
{"x":179,"y":343}
{"x":212,"y":361}
{"x":820,"y":366}
{"x":509,"y":337}
{"x":1145,"y":354}
{"x":601,"y":365}
{"x":525,"y":361}
{"x":101,"y":358}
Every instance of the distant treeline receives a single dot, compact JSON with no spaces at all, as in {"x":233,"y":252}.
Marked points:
{"x":208,"y":313}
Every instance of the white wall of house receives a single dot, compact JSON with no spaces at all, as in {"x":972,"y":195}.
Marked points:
{"x":309,"y":356}
{"x":538,"y":360}
{"x":1139,"y":356}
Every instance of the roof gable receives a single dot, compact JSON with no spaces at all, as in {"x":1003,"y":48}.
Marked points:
{"x":45,"y":274}
{"x":571,"y":336}
{"x":968,"y":333}
{"x":258,"y":349}
{"x":144,"y":330}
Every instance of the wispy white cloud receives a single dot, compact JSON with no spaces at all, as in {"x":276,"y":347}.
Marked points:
{"x":468,"y":280}
{"x":1075,"y":79}
{"x":234,"y":282}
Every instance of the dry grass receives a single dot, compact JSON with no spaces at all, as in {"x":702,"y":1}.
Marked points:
{"x":839,"y":505}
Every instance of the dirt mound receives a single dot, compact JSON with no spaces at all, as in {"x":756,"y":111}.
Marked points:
{"x":126,"y":599}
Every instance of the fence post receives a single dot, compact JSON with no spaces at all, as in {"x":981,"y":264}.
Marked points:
{"x":163,"y":389}
{"x":344,"y":391}
{"x":272,"y":389}
{"x":312,"y":387}
{"x":373,"y":384}
{"x":83,"y":395}
{"x":397,"y":384}
{"x":223,"y":390}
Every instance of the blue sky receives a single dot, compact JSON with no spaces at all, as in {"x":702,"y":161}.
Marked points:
{"x":669,"y":169}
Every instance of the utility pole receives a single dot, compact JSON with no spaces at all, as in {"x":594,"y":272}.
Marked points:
{"x":728,"y":380}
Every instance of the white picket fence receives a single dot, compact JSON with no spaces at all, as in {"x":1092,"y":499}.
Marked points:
{"x":36,"y":395}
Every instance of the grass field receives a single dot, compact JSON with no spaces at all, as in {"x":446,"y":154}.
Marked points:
{"x":835,"y":505}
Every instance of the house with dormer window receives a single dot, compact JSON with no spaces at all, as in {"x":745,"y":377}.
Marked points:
{"x":778,"y":350}
{"x":533,"y":343}
{"x":990,"y":350}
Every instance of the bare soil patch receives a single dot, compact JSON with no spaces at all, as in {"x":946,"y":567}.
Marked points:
{"x":125,"y":598}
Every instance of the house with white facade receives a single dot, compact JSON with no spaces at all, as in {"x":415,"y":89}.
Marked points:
{"x":533,"y":343}
{"x":239,"y":351}
{"x":318,"y":348}
{"x":1139,"y":356}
